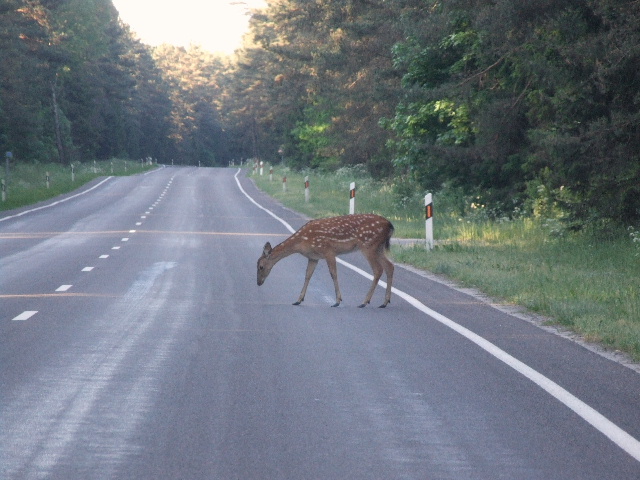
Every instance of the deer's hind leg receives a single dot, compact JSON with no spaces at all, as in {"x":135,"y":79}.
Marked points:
{"x":379,"y":263}
{"x":311,"y":266}
{"x":388,"y":268}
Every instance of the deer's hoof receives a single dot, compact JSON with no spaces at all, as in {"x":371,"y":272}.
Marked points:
{"x":296,"y":303}
{"x":336,"y":304}
{"x":362,"y":306}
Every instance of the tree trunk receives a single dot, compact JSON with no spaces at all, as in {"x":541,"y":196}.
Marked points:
{"x":56,"y":117}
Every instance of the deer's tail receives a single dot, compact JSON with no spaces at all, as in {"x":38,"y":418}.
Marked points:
{"x":387,"y":244}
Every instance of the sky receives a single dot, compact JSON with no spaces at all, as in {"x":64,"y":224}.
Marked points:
{"x":216,"y":25}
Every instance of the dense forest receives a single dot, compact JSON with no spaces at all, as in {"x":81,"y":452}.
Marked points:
{"x":519,"y":105}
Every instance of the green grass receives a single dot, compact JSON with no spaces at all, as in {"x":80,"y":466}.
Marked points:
{"x":329,"y":196}
{"x":27,"y":181}
{"x":581,"y":281}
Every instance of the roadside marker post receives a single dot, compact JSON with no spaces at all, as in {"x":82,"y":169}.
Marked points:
{"x":8,"y":157}
{"x":352,"y":198}
{"x":306,"y":189}
{"x":48,"y":177}
{"x":284,"y":183}
{"x":428,"y":215}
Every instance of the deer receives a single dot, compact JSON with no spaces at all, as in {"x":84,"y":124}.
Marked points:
{"x":326,"y":238}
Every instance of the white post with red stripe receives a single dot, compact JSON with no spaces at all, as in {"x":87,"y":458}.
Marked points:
{"x":352,"y":198}
{"x":428,"y":215}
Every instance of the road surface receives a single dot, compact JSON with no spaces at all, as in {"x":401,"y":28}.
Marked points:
{"x":135,"y":343}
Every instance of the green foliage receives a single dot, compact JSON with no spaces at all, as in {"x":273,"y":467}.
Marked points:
{"x":76,"y":84}
{"x":549,"y":97}
{"x":316,"y":81}
{"x":313,"y":144}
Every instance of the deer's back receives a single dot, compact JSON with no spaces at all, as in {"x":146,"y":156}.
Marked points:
{"x":344,"y":234}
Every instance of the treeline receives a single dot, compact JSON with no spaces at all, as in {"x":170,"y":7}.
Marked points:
{"x":516,"y":105}
{"x":76,"y":85}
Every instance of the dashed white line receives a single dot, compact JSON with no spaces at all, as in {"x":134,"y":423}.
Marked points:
{"x":115,"y":248}
{"x":103,"y":256}
{"x":25,"y":315}
{"x":125,"y":239}
{"x":63,"y":288}
{"x":87,"y":269}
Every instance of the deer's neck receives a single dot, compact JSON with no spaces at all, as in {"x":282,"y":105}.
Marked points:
{"x":284,"y":249}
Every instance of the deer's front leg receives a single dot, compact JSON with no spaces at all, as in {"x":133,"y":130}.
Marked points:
{"x":333,"y":270}
{"x":311,"y":266}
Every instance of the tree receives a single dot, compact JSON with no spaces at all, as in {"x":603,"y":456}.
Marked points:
{"x":318,"y":76}
{"x":503,"y":96}
{"x":192,"y":75}
{"x":28,"y":50}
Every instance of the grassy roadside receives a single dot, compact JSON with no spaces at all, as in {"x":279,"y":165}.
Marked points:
{"x":27,"y":181}
{"x":587,"y":282}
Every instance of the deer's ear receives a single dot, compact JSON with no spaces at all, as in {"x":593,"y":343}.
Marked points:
{"x":267,"y":249}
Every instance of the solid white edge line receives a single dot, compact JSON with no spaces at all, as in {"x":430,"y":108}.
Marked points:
{"x":283,"y":222}
{"x":55,"y":203}
{"x":605,"y":426}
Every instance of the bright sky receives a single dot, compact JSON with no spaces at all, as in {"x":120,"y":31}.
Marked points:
{"x":216,"y":25}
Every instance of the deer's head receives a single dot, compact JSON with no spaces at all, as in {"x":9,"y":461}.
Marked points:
{"x":264,"y":264}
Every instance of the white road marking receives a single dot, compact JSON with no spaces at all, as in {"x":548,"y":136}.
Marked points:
{"x":138,"y":224}
{"x":115,"y":248}
{"x":609,"y":429}
{"x":63,"y":288}
{"x":103,"y":256}
{"x":25,"y":315}
{"x":132,"y":231}
{"x":125,"y":239}
{"x":87,"y":269}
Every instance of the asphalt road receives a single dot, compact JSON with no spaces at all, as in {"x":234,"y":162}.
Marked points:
{"x":135,"y":344}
